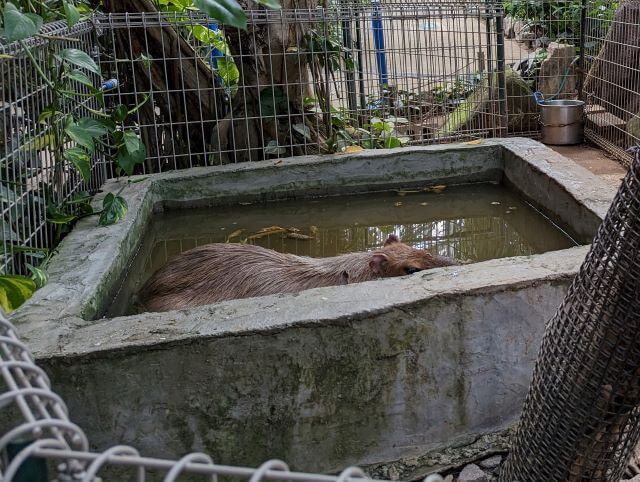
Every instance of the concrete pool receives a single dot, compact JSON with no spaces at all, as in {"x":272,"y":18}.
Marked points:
{"x":385,"y":373}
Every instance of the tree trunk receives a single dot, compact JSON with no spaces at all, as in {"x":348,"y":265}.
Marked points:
{"x":274,"y":80}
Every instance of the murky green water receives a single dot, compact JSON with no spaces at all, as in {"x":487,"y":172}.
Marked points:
{"x":476,"y":222}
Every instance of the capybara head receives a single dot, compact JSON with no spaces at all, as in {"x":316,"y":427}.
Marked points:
{"x":397,"y":259}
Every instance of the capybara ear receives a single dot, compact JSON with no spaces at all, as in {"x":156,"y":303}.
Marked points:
{"x":392,"y":239}
{"x":378,"y":263}
{"x":345,"y":278}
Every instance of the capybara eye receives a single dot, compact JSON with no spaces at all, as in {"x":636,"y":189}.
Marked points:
{"x":411,"y":270}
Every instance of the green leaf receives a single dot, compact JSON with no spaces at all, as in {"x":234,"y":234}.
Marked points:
{"x":38,"y":143}
{"x":55,"y":216}
{"x":131,"y":141}
{"x":120,"y":113}
{"x":229,"y":12}
{"x":81,"y":78}
{"x":80,"y":159}
{"x":93,"y":127}
{"x":79,"y":59}
{"x":392,"y":142}
{"x":114,"y":208}
{"x":47,"y":113}
{"x":38,"y":275}
{"x":19,"y":26}
{"x":273,"y":4}
{"x":127,"y":160}
{"x":15,"y":290}
{"x":108,"y":124}
{"x":71,"y":13}
{"x":146,"y":60}
{"x":81,"y":136}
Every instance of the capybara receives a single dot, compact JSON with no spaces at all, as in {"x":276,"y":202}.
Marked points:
{"x":225,"y":271}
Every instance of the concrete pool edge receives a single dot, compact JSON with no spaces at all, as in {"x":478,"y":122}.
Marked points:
{"x":76,"y":291}
{"x":71,"y":336}
{"x":353,"y":378}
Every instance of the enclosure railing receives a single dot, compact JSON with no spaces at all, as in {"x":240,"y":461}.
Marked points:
{"x":306,"y":81}
{"x":612,"y":76}
{"x":29,"y":174}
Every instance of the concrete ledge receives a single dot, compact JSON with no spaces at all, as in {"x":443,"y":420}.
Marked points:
{"x":387,"y":370}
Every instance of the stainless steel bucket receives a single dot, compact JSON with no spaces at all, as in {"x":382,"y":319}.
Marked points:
{"x":562,"y":122}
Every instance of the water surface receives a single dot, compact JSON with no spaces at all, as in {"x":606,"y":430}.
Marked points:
{"x":473,"y":222}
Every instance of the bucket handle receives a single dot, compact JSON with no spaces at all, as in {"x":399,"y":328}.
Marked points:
{"x":539,"y":97}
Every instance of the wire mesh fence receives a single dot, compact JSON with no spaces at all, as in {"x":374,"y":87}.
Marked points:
{"x":612,"y":82}
{"x":30,"y":175}
{"x":544,"y":55}
{"x":307,"y":81}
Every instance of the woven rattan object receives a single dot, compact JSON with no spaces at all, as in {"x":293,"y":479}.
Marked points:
{"x":581,"y":418}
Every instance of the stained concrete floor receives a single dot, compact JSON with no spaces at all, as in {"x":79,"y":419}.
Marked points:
{"x":596,"y":160}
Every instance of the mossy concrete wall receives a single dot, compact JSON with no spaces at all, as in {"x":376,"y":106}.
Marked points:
{"x":364,"y":373}
{"x":387,"y":371}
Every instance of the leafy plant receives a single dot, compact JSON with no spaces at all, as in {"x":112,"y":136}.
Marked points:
{"x":70,"y":129}
{"x":378,"y":133}
{"x":16,"y":289}
{"x":560,"y":18}
{"x":214,"y":48}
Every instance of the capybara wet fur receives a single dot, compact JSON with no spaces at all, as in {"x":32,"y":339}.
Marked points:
{"x":225,"y":271}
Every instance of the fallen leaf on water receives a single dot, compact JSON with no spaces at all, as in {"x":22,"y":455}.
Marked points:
{"x":300,"y":236}
{"x":404,"y":192}
{"x":507,"y":212}
{"x":474,"y":142}
{"x":267,"y":232}
{"x":513,"y":208}
{"x":235,"y":234}
{"x":271,"y":228}
{"x":438,"y":188}
{"x":424,"y":204}
{"x":352,"y":149}
{"x":495,"y":203}
{"x":398,"y":204}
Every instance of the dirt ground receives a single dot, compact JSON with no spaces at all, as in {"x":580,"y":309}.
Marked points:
{"x":596,"y":160}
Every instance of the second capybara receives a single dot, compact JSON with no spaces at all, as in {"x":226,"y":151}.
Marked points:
{"x":224,"y":271}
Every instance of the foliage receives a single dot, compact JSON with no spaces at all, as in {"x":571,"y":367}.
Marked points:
{"x":71,"y":128}
{"x":15,"y":289}
{"x":377,"y":133}
{"x":328,"y":50}
{"x":215,"y":49}
{"x":48,"y":10}
{"x":559,"y":18}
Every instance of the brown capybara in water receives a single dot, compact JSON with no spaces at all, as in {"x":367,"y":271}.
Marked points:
{"x":225,"y":271}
